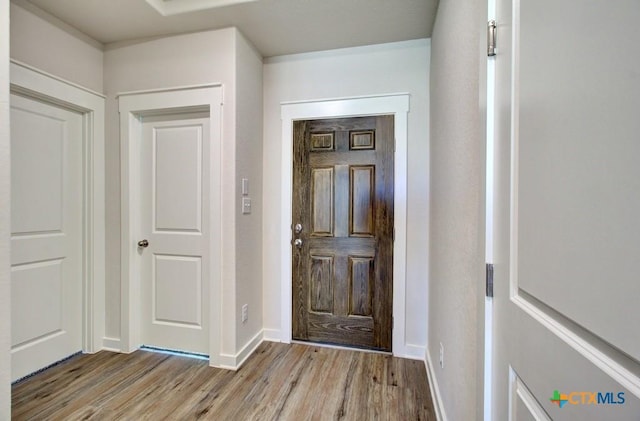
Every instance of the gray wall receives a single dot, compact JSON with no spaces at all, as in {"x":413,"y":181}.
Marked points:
{"x":376,"y":69}
{"x":35,"y":41}
{"x":41,"y":41}
{"x":199,"y":58}
{"x":249,"y":148}
{"x":222,"y":56}
{"x":456,"y":219}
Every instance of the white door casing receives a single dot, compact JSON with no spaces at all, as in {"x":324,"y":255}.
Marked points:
{"x":175,"y":267}
{"x":565,"y":225}
{"x":134,"y":107}
{"x":58,"y":219}
{"x":398,"y":105}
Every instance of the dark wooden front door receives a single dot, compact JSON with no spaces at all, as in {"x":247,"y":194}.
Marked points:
{"x":343,"y":252}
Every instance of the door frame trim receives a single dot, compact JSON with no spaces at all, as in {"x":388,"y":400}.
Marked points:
{"x":395,"y":104}
{"x":37,"y":84}
{"x":131,"y":106}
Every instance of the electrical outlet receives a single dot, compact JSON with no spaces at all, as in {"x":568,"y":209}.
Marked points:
{"x":245,"y":313}
{"x":441,"y":355}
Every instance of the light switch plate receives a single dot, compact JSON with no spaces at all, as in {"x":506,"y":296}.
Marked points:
{"x":245,"y":186}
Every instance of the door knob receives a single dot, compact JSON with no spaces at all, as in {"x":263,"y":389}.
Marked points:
{"x":297,"y":242}
{"x":143,"y":243}
{"x":297,"y":228}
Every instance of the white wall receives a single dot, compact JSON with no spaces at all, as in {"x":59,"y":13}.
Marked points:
{"x":249,"y":149}
{"x":199,"y":58}
{"x":192,"y":59}
{"x":378,"y":69}
{"x":456,"y":234}
{"x":5,"y":293}
{"x":38,"y":42}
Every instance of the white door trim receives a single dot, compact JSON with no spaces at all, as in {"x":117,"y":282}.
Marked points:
{"x":131,"y":106}
{"x":42,"y":86}
{"x":396,"y":104}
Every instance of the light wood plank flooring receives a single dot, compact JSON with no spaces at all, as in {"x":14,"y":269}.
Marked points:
{"x":278,"y":382}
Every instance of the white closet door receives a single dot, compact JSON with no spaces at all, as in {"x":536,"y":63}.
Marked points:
{"x":46,"y":239}
{"x":175,"y":223}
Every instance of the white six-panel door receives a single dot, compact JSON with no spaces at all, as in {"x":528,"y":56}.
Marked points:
{"x":567,"y":210}
{"x":46,"y":239}
{"x":174,"y":221}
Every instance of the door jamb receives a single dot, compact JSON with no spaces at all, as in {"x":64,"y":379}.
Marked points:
{"x":396,"y":104}
{"x":131,"y":106}
{"x":37,"y":84}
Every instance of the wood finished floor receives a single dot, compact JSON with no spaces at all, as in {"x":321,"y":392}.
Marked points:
{"x":278,"y":382}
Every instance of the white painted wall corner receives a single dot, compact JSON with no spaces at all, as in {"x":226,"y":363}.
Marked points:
{"x":272,"y":335}
{"x":111,"y":344}
{"x":234,"y":362}
{"x":410,"y":351}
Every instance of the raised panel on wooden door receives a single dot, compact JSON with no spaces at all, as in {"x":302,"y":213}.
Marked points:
{"x":361,"y":282}
{"x":361,"y":200}
{"x":46,"y":239}
{"x":322,"y":203}
{"x":362,"y":140}
{"x":321,"y":283}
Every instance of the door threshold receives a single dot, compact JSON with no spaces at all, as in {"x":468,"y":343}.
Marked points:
{"x":176,"y":352}
{"x":342,"y":347}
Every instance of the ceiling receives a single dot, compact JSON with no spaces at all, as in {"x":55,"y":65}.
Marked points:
{"x":275,"y":27}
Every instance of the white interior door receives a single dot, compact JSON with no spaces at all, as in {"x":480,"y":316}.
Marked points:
{"x":46,"y":239}
{"x":567,"y":225}
{"x":175,"y":222}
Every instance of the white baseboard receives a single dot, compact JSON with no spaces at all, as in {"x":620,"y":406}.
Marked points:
{"x":111,"y":344}
{"x":234,"y":362}
{"x":412,"y":352}
{"x":435,"y":390}
{"x":272,"y":335}
{"x":227,"y":361}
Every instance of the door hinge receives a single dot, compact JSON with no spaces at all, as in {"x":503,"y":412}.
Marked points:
{"x":491,"y":38}
{"x":489,"y":280}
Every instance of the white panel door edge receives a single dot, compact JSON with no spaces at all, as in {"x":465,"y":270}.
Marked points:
{"x":33,"y":83}
{"x":132,"y":106}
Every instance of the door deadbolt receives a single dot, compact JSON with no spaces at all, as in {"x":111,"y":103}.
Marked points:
{"x":143,"y":243}
{"x":297,"y":228}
